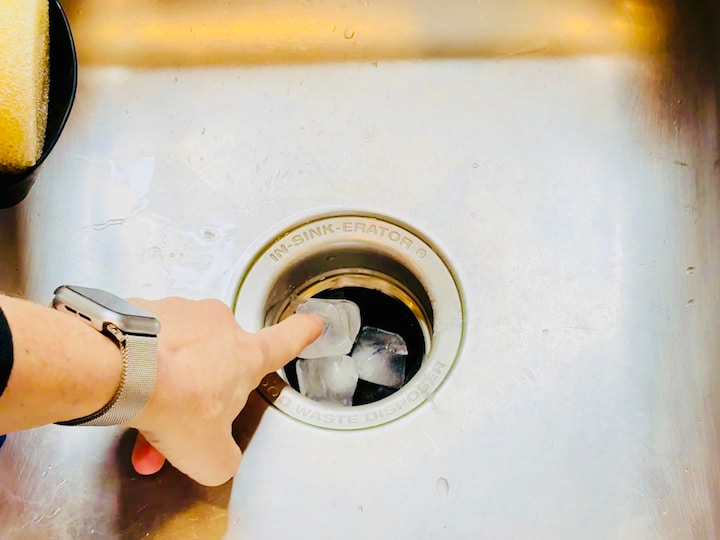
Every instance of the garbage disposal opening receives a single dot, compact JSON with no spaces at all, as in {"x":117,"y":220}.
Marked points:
{"x":364,"y":278}
{"x":378,"y":310}
{"x":401,"y":283}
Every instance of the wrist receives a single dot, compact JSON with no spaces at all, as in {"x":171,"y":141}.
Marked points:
{"x":62,"y":368}
{"x":150,"y":416}
{"x":134,"y":331}
{"x":107,"y":358}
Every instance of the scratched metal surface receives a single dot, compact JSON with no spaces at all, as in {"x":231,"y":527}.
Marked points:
{"x":575,"y":195}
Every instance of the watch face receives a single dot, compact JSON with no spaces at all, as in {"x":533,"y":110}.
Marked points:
{"x":111,"y":302}
{"x":98,"y":307}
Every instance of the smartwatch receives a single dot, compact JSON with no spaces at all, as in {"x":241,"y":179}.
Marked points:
{"x":134,"y":330}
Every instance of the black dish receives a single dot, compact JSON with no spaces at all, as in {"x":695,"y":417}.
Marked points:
{"x":63,"y":83}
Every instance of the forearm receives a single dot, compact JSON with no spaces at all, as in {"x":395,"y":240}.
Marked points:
{"x":62,"y":369}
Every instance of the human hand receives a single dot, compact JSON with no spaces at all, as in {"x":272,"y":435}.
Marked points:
{"x":207,"y":367}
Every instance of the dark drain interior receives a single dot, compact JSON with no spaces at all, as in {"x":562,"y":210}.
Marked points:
{"x":381,"y":311}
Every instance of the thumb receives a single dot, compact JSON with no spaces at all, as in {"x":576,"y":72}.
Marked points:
{"x":284,"y":341}
{"x":145,"y":459}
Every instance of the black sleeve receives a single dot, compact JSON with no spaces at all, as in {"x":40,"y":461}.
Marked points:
{"x":6,"y":352}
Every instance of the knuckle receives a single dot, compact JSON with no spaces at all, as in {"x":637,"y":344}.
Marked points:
{"x":261,"y":349}
{"x":217,"y":306}
{"x":256,"y":350}
{"x":203,"y":402}
{"x":209,"y":303}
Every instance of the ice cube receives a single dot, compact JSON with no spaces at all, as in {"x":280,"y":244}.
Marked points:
{"x":332,"y":380}
{"x":380,"y":357}
{"x":342,"y":324}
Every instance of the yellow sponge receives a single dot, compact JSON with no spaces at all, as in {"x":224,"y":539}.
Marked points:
{"x":24,"y":81}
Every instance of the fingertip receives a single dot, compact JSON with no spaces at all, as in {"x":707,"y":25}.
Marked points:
{"x":316,"y":325}
{"x":308,"y":326}
{"x":146,"y":459}
{"x":284,"y":341}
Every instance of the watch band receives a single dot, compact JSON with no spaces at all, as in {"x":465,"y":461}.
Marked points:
{"x":137,"y":381}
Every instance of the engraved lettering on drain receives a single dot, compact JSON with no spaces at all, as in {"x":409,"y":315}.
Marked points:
{"x":387,"y":412}
{"x":327,"y":418}
{"x":283,"y":247}
{"x":427,"y":382}
{"x":277,"y":254}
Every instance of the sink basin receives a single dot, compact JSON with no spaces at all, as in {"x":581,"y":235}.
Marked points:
{"x":566,"y":173}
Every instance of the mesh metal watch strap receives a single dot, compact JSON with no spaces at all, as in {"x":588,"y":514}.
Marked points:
{"x":137,"y":382}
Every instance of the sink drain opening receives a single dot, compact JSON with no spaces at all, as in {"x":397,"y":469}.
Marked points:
{"x":390,"y":314}
{"x":378,"y":310}
{"x":398,"y":280}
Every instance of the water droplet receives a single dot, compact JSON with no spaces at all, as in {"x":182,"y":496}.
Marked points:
{"x":365,"y":3}
{"x":686,"y":470}
{"x":360,"y":508}
{"x":443,"y":486}
{"x":690,"y":270}
{"x":349,"y":32}
{"x":476,"y":165}
{"x":546,"y":331}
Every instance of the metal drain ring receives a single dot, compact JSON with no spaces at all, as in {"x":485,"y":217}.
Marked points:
{"x":357,"y":247}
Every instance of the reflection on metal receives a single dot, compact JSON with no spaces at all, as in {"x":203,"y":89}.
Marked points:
{"x":576,"y":197}
{"x":10,"y":279}
{"x":155,"y":33}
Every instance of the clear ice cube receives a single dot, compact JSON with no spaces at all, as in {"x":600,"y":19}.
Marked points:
{"x":380,"y":357}
{"x":342,"y":324}
{"x":331,"y":380}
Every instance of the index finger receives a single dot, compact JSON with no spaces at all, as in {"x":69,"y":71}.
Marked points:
{"x":284,"y":341}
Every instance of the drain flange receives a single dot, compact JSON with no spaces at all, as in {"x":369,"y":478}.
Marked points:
{"x":338,"y":252}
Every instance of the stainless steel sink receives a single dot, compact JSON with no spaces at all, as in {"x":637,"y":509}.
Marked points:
{"x":564,"y":162}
